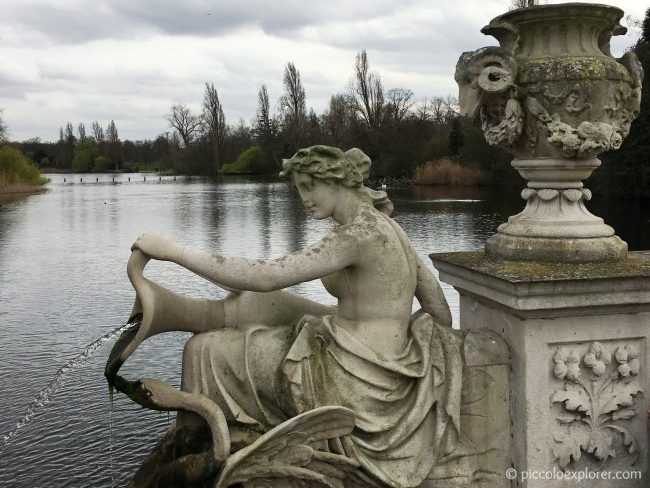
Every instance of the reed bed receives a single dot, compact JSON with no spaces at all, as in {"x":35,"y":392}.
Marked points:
{"x":7,"y":186}
{"x":17,"y":173}
{"x":446,"y":172}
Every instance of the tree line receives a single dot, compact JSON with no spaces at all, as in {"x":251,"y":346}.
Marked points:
{"x":396,"y":129}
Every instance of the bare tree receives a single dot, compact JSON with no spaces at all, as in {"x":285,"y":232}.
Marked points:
{"x":67,"y":142}
{"x":213,"y":122}
{"x":523,"y":4}
{"x":634,"y":26}
{"x":450,"y":108}
{"x":184,"y":122}
{"x":337,"y":120}
{"x":430,"y":110}
{"x":81,"y":130}
{"x":422,"y":109}
{"x":265,"y":129}
{"x":68,"y":135}
{"x":293,"y":104}
{"x":98,"y":132}
{"x":173,"y":146}
{"x":367,"y":93}
{"x":399,"y":102}
{"x":113,"y":144}
{"x":3,"y":128}
{"x":314,"y":129}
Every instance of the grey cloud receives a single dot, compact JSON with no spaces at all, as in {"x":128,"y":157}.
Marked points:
{"x":64,"y":25}
{"x":126,"y":19}
{"x":279,"y":17}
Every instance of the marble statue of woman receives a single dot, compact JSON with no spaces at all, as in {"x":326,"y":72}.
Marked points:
{"x":264,"y":355}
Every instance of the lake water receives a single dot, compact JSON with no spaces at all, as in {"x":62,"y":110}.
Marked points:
{"x":63,"y":285}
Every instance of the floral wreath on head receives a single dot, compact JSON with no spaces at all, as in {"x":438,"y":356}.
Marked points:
{"x":350,"y":168}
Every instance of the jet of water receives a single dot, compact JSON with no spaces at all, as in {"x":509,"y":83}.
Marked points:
{"x":43,"y":398}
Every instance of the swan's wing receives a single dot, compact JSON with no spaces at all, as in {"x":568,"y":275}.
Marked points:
{"x":287,"y":455}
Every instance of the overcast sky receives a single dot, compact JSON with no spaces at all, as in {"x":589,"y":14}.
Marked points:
{"x":129,"y":60}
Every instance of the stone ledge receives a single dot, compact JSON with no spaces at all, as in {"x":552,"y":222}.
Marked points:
{"x":544,"y":288}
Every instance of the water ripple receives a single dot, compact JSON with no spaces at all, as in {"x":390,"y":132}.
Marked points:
{"x":43,"y":398}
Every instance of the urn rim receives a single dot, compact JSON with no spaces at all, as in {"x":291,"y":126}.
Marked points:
{"x":509,"y":21}
{"x":562,"y":10}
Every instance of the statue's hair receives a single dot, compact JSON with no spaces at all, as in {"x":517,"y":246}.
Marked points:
{"x":348,"y":168}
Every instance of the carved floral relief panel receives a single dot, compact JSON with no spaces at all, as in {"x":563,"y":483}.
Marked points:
{"x":597,"y":406}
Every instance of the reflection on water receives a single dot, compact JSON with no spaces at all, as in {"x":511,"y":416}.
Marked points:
{"x":63,"y":285}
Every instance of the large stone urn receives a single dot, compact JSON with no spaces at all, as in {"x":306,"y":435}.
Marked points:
{"x":553,"y":95}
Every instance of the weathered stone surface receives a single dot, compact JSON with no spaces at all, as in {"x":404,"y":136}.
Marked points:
{"x":546,"y":288}
{"x":578,"y":337}
{"x":553,"y":95}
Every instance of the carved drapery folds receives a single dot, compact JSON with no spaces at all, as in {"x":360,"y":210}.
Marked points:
{"x":595,"y":401}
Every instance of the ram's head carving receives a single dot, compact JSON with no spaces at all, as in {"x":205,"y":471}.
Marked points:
{"x":482,"y":74}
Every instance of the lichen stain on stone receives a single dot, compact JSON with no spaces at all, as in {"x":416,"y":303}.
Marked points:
{"x":368,"y":217}
{"x":572,"y":68}
{"x":636,"y":264}
{"x":219,"y":258}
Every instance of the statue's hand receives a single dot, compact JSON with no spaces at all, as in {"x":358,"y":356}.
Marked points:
{"x":157,"y":246}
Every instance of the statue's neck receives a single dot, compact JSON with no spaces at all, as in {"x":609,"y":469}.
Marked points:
{"x":348,"y":207}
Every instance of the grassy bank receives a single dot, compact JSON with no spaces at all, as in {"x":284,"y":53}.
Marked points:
{"x":446,"y":172}
{"x":17,"y":173}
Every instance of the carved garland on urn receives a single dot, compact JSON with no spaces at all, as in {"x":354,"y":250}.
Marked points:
{"x":598,"y":398}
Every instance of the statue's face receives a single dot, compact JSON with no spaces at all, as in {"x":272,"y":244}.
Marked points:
{"x":319,"y":196}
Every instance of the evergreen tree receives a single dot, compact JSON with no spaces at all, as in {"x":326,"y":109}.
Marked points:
{"x":456,"y":139}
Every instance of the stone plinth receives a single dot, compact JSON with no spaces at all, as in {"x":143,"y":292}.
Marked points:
{"x":578,"y":336}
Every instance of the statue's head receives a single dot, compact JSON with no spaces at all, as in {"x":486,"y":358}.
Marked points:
{"x":331,"y":164}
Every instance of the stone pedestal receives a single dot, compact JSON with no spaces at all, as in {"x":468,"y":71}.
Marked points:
{"x":555,"y":225}
{"x":578,"y":335}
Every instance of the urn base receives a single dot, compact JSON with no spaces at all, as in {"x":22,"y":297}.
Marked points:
{"x":610,"y":248}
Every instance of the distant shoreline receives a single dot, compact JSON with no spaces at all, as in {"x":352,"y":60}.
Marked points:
{"x":18,"y":191}
{"x":20,"y":188}
{"x":66,"y":171}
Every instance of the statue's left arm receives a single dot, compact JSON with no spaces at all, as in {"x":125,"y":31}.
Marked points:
{"x":430,"y":295}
